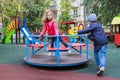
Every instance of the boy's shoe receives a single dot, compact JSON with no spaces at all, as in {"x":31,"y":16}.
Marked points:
{"x":101,"y":70}
{"x":51,"y":54}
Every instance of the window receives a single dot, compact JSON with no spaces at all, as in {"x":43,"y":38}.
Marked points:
{"x":55,"y":14}
{"x":75,"y":12}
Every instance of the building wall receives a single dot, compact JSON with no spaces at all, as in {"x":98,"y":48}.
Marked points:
{"x":79,"y":9}
{"x":77,"y":12}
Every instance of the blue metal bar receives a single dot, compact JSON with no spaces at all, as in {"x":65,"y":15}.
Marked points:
{"x":27,"y":54}
{"x":86,"y":47}
{"x":45,"y":43}
{"x":76,"y":49}
{"x":32,"y":50}
{"x":37,"y":50}
{"x":57,"y":52}
{"x":81,"y":42}
{"x":70,"y":38}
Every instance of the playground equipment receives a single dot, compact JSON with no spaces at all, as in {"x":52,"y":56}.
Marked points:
{"x":116,"y":29}
{"x":9,"y":30}
{"x":73,"y":31}
{"x":67,"y":23}
{"x":61,"y":58}
{"x":27,"y":33}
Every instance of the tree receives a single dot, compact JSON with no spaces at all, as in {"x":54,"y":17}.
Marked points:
{"x":34,"y":11}
{"x":105,"y":9}
{"x":65,"y":8}
{"x":1,"y":10}
{"x":10,"y":7}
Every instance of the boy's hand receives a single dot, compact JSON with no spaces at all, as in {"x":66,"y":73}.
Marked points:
{"x":91,"y":38}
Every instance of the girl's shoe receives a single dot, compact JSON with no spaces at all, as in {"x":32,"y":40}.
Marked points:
{"x":51,"y":54}
{"x":69,"y":51}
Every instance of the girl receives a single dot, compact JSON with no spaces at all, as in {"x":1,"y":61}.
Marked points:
{"x":50,"y":25}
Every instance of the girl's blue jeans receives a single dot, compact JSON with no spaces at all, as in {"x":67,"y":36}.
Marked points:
{"x":100,"y":55}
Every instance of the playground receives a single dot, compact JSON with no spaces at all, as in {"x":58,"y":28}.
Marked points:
{"x":28,"y":61}
{"x":12,"y":66}
{"x":24,"y":54}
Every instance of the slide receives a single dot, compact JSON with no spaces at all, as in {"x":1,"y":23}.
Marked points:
{"x":7,"y":39}
{"x":27,"y":34}
{"x":8,"y":31}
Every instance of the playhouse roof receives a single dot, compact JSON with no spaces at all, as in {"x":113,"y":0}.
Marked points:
{"x":116,"y":20}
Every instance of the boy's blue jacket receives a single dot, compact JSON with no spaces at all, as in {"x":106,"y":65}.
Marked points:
{"x":96,"y":33}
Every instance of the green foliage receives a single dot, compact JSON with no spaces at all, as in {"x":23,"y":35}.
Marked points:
{"x":0,"y":11}
{"x":10,"y":8}
{"x":34,"y":11}
{"x":65,"y":8}
{"x":105,"y":9}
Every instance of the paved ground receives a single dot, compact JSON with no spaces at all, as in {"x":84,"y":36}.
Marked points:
{"x":12,"y":67}
{"x":14,"y":72}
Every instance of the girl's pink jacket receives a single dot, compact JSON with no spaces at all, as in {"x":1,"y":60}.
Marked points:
{"x":51,"y":27}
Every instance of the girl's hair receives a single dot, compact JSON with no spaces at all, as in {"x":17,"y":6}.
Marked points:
{"x":45,"y":17}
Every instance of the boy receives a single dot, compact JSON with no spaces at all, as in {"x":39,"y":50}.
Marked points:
{"x":97,"y":35}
